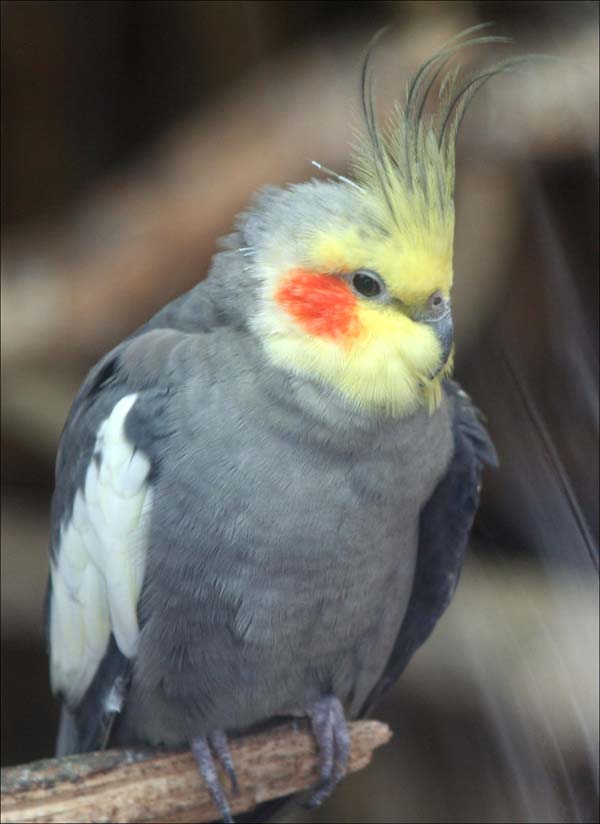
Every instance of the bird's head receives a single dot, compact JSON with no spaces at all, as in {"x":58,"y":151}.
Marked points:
{"x":355,"y":274}
{"x":353,"y":298}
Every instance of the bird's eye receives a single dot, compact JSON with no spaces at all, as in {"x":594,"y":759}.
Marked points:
{"x":367,"y":283}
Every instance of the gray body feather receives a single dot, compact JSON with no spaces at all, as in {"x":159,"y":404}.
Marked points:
{"x":284,"y":530}
{"x":282,"y":547}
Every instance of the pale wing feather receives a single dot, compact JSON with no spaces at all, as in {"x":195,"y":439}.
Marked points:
{"x":99,"y":566}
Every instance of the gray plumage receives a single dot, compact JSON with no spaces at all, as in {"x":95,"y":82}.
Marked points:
{"x":282,"y":549}
{"x":264,"y":495}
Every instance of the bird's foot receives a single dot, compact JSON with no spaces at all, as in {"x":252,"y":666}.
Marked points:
{"x":331,"y":733}
{"x":202,"y":750}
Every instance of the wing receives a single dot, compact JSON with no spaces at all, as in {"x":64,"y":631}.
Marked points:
{"x":101,"y":507}
{"x":100,"y":514}
{"x":444,"y":528}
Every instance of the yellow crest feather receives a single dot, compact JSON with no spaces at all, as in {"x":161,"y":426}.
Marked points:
{"x":407,"y":168}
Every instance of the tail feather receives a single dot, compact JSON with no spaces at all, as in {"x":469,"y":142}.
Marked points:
{"x":67,"y":740}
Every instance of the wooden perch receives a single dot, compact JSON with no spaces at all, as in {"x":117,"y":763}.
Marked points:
{"x":141,"y":786}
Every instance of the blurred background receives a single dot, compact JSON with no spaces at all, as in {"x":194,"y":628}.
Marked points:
{"x":132,"y":133}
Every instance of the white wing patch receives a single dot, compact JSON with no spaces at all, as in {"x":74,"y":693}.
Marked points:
{"x":99,"y":567}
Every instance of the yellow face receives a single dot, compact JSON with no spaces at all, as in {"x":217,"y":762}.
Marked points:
{"x":325,"y":318}
{"x":384,"y":347}
{"x":412,"y":267}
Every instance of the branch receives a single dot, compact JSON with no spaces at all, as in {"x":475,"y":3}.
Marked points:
{"x":141,"y":786}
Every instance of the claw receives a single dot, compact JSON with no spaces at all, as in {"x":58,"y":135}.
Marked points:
{"x":218,"y":741}
{"x":201,"y":750}
{"x":331,"y":733}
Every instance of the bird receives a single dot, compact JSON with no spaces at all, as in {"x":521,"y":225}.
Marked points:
{"x":263,"y":496}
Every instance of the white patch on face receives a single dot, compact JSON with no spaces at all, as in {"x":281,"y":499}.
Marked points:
{"x":99,"y":568}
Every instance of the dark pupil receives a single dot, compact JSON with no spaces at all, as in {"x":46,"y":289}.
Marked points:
{"x":366,"y":285}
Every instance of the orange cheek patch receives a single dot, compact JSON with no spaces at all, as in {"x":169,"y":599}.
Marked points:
{"x":321,"y":304}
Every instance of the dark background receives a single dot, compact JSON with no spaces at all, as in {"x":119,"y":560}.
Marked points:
{"x":132,"y":132}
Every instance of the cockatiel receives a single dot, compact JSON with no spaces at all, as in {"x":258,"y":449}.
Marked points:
{"x":263,"y":495}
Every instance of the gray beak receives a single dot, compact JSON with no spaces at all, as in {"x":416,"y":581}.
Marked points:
{"x":444,"y":330}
